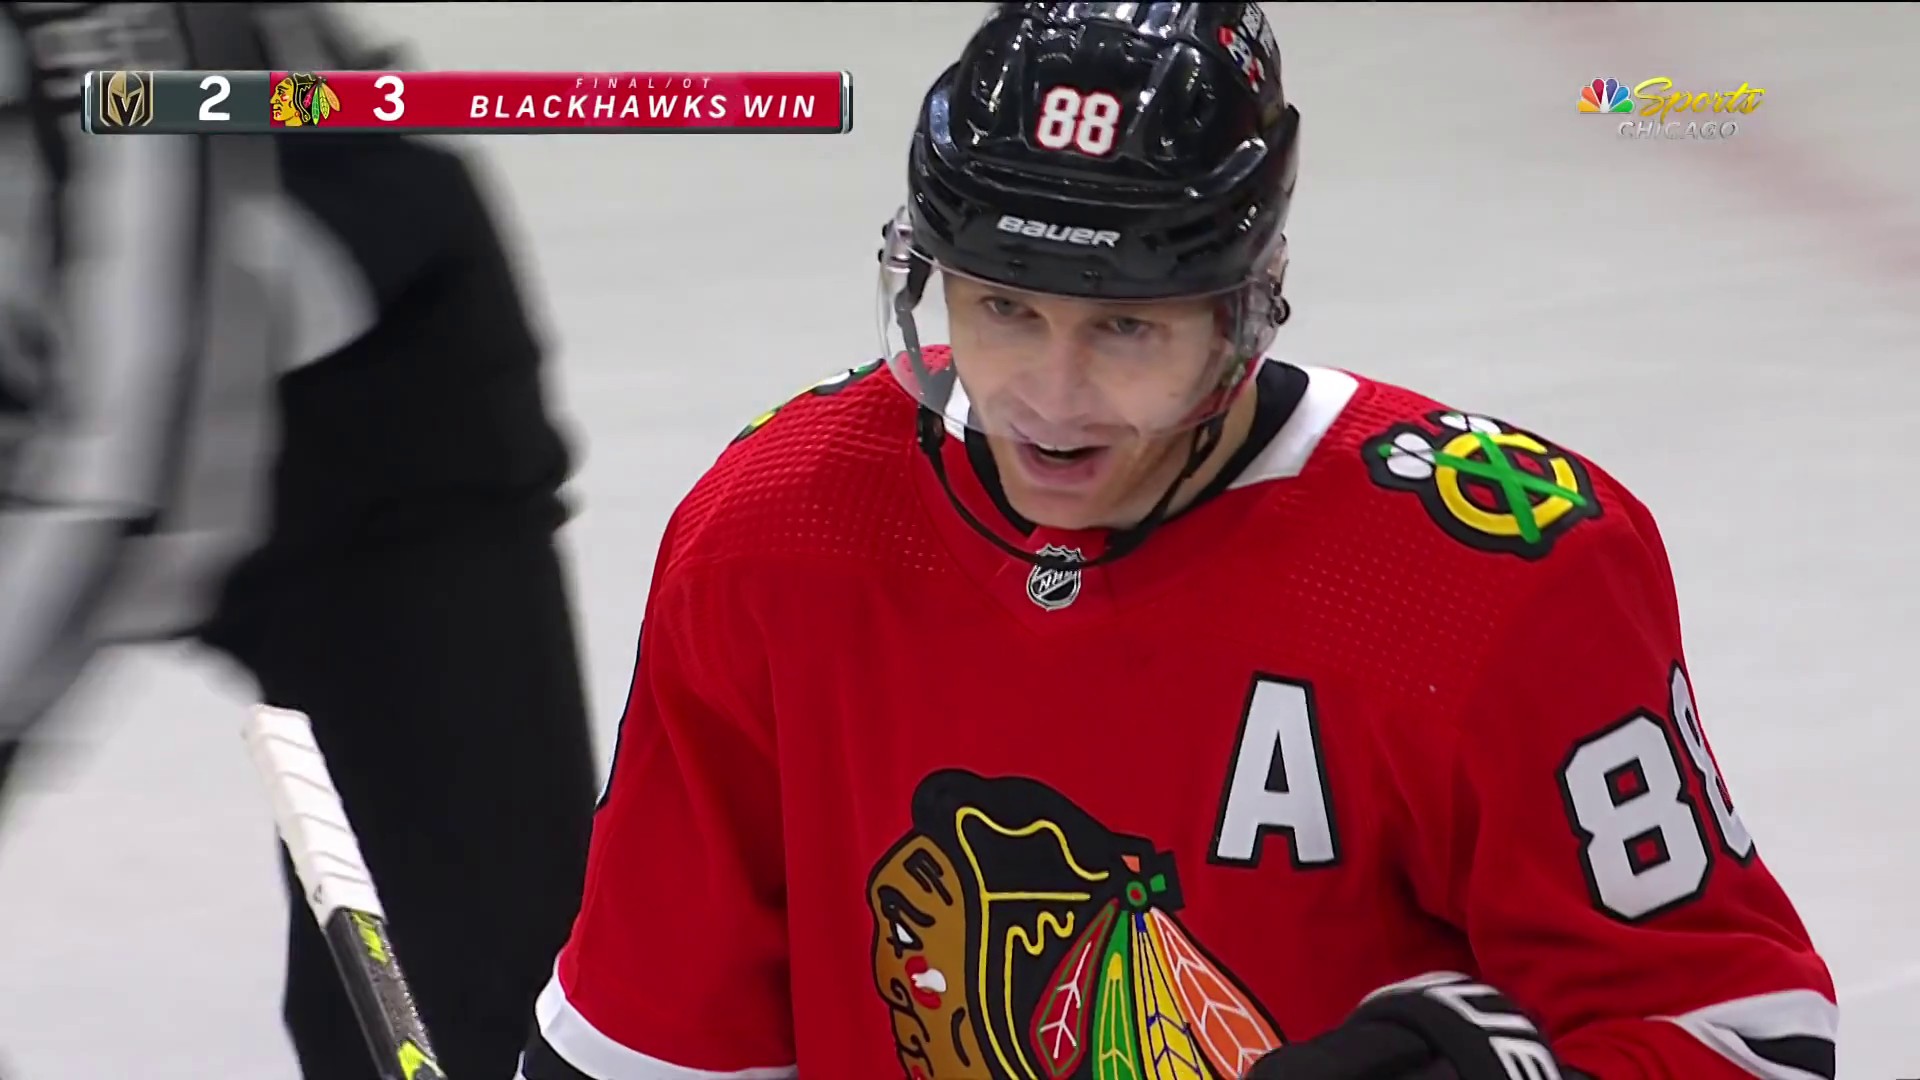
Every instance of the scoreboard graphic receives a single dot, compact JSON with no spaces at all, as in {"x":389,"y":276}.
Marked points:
{"x":473,"y":102}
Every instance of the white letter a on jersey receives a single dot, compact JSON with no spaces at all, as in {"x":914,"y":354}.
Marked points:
{"x":1278,"y":784}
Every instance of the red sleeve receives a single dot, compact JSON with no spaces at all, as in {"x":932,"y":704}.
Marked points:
{"x":678,"y":957}
{"x":1593,"y":852}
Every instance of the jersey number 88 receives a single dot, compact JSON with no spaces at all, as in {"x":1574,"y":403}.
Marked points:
{"x":1644,"y":843}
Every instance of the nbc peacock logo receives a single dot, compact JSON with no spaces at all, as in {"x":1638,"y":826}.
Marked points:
{"x":1656,"y":109}
{"x":1605,"y":96}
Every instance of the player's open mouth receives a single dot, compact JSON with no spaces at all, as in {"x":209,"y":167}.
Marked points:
{"x":1063,"y":453}
{"x":1061,"y":466}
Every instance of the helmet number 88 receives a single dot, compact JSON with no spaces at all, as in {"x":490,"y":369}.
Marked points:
{"x":1087,"y":122}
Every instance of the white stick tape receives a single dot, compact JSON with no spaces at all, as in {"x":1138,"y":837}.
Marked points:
{"x":307,"y":810}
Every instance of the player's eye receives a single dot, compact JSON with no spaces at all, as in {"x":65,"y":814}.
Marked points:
{"x":1002,"y":308}
{"x":1128,"y":327}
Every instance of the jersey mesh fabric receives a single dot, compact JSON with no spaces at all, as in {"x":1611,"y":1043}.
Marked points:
{"x":829,"y":477}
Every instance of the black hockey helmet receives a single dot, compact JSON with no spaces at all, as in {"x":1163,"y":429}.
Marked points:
{"x":1163,"y":124}
{"x":1107,"y":151}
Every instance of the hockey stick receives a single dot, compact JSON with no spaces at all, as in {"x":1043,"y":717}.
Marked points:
{"x":326,"y":855}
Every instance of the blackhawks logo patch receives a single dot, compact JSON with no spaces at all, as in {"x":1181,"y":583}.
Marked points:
{"x":1489,"y":486}
{"x":1016,"y":938}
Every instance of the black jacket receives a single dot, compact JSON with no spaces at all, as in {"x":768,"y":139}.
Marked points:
{"x":222,"y":357}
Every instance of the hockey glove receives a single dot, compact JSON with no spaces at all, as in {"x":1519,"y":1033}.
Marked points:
{"x":1436,"y":1027}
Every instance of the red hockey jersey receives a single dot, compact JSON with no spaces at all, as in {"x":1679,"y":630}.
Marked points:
{"x":1410,"y":696}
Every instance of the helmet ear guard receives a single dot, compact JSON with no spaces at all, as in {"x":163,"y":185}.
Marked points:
{"x":1270,"y":311}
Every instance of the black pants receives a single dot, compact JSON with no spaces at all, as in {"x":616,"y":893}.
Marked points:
{"x":444,"y":685}
{"x":410,"y":600}
{"x":443,"y":680}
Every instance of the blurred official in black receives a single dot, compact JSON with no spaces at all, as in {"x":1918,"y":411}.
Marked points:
{"x":281,"y":395}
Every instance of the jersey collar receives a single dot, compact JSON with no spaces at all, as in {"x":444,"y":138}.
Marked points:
{"x":1045,"y":599}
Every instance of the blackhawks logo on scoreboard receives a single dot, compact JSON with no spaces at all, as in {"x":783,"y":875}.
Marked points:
{"x":1016,"y":938}
{"x":1488,"y":485}
{"x":301,"y":99}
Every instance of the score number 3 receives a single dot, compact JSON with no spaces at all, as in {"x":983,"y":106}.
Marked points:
{"x":394,"y":109}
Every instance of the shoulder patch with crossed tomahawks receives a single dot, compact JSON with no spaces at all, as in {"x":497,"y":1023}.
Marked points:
{"x":1486,"y":484}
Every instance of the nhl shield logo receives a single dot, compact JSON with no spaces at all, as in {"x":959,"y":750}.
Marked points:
{"x":1051,"y":588}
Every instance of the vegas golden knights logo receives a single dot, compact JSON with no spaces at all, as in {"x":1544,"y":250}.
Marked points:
{"x":126,"y":100}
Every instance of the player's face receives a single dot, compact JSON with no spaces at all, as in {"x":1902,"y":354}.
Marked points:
{"x":1084,"y":404}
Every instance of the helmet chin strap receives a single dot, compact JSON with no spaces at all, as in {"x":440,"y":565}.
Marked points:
{"x":1206,"y":438}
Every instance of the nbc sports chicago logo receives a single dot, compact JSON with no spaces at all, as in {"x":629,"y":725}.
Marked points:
{"x":1654,"y":109}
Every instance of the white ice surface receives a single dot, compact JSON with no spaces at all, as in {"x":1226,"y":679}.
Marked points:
{"x":1730,"y":328}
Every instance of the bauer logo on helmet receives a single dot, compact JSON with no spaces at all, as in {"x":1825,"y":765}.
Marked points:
{"x":1077,"y":235}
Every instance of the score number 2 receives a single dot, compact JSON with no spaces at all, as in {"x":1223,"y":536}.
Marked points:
{"x":221,"y":88}
{"x":394,"y":108}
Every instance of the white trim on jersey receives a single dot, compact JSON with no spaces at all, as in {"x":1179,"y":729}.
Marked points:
{"x":1740,"y":1030}
{"x":1328,"y":392}
{"x":1286,"y":455}
{"x":586,"y":1048}
{"x":955,"y":413}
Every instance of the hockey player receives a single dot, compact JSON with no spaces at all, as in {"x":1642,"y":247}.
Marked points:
{"x":281,"y":395}
{"x":1080,"y":693}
